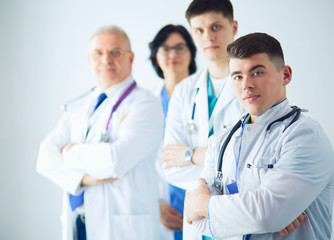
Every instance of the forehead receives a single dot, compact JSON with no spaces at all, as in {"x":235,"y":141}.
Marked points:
{"x":246,"y":64}
{"x":108,"y":41}
{"x":174,"y":38}
{"x":207,"y":19}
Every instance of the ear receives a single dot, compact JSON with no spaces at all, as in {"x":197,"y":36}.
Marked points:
{"x":287,"y":75}
{"x":235,"y":27}
{"x":132,"y":56}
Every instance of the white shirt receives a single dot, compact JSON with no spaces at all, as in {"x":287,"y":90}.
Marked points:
{"x":126,"y":208}
{"x":302,"y":179}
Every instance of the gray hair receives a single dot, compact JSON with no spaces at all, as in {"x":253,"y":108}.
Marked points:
{"x":111,"y":29}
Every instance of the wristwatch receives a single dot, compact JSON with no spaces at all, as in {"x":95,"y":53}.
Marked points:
{"x":189,"y":155}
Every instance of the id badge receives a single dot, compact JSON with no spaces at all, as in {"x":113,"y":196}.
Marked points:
{"x":232,"y":188}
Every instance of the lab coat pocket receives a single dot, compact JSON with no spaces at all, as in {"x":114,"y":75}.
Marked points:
{"x":139,"y":227}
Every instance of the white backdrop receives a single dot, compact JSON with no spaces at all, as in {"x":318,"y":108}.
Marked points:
{"x":43,"y":47}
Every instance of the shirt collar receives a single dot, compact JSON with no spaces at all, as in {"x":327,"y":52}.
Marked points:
{"x":275,"y":112}
{"x":115,"y":91}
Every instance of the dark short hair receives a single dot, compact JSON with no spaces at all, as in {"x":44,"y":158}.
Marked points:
{"x":161,"y":37}
{"x":198,"y":7}
{"x":256,"y":43}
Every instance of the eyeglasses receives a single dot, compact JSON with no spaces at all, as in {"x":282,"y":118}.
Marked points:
{"x":114,"y":54}
{"x":180,"y":49}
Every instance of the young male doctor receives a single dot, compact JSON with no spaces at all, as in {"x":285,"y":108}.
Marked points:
{"x":102,"y":152}
{"x":273,"y":165}
{"x":203,"y":103}
{"x":201,"y":98}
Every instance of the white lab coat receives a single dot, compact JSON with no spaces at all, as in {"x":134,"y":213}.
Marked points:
{"x":126,"y":208}
{"x":302,"y":180}
{"x":227,"y":111}
{"x":164,"y":195}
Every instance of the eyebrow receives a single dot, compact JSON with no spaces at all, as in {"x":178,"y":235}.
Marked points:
{"x":210,"y":25}
{"x":255,"y":67}
{"x":250,"y":70}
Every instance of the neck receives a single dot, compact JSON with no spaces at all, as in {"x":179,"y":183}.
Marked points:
{"x":252,"y":118}
{"x":218,"y":69}
{"x":172,"y":79}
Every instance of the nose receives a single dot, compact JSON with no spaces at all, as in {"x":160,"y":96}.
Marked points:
{"x":172,"y":53}
{"x":106,"y":58}
{"x":247,"y":83}
{"x":209,"y":36}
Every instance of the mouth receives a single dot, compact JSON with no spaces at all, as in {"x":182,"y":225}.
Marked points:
{"x":173,"y":62}
{"x":251,"y":97}
{"x":211,"y":48}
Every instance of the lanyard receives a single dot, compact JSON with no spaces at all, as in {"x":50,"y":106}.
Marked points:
{"x":120,"y":100}
{"x":105,"y":136}
{"x":238,"y":158}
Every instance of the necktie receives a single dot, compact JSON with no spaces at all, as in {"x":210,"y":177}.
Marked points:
{"x":100,"y":99}
{"x":76,"y":201}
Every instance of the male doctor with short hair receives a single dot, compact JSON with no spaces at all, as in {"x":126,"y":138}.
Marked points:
{"x":103,"y":150}
{"x":277,"y":164}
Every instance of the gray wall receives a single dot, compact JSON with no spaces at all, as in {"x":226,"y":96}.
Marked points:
{"x":43,"y":64}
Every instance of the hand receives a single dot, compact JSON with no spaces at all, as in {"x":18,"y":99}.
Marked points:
{"x":88,"y":180}
{"x":293,"y":226}
{"x":66,"y":148}
{"x":196,"y":202}
{"x":170,"y":217}
{"x":173,"y":155}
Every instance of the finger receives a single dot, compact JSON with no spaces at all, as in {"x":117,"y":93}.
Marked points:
{"x":169,"y":164}
{"x":296,"y":224}
{"x":302,"y":217}
{"x":175,"y":213}
{"x":202,"y":181}
{"x":175,"y":223}
{"x":171,"y":223}
{"x":290,"y":228}
{"x":284,"y":233}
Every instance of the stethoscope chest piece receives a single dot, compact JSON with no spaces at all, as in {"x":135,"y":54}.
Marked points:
{"x":104,"y":137}
{"x":191,"y":128}
{"x":217,"y":184}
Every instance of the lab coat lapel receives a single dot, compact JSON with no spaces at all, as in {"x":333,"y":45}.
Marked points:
{"x":202,"y":114}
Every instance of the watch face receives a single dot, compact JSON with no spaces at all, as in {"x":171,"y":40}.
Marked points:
{"x":188,"y":153}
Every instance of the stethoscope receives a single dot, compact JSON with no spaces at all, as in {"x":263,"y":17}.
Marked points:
{"x":64,"y":107}
{"x":217,"y":184}
{"x":191,"y":127}
{"x":104,"y":135}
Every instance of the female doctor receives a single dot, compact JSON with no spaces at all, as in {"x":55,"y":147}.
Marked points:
{"x":173,"y":58}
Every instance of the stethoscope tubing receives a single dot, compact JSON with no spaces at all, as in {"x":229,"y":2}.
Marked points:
{"x":295,"y":110}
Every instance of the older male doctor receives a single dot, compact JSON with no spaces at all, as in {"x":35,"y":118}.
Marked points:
{"x":103,"y":150}
{"x":274,"y":164}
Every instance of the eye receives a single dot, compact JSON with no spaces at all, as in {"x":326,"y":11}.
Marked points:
{"x":237,"y":77}
{"x":97,"y":53}
{"x":199,"y":31}
{"x":165,"y":48}
{"x":258,"y":73}
{"x":115,"y":53}
{"x":180,"y":48}
{"x":216,"y":27}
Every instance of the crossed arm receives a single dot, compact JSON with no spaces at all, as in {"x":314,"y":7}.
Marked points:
{"x":196,"y":208}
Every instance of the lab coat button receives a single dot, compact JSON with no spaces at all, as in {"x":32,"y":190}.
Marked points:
{"x":240,"y":169}
{"x":248,"y":129}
